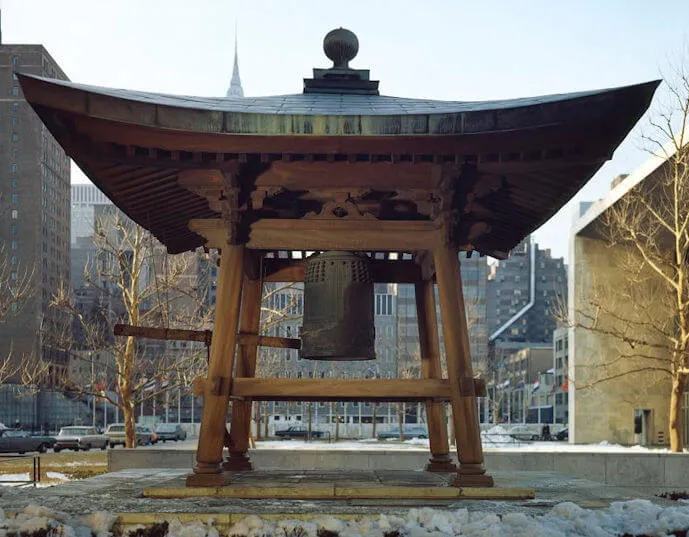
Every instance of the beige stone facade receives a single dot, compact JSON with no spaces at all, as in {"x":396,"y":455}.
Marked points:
{"x":614,"y":395}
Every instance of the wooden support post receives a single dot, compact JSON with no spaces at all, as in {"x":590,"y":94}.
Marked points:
{"x":240,"y":429}
{"x":464,"y":412}
{"x":430,"y":368}
{"x":207,"y":472}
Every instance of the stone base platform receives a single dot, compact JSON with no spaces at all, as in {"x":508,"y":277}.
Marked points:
{"x":340,"y":485}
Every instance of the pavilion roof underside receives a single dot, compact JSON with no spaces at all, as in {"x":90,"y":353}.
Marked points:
{"x":510,"y":168}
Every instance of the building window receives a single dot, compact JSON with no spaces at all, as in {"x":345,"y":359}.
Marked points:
{"x":15,"y":137}
{"x":15,"y":107}
{"x":15,"y":245}
{"x":13,"y":275}
{"x":15,"y":198}
{"x":15,"y":61}
{"x":15,"y":214}
{"x":15,"y":121}
{"x":15,"y":91}
{"x":383,"y":304}
{"x":15,"y":183}
{"x":14,"y":229}
{"x":15,"y":260}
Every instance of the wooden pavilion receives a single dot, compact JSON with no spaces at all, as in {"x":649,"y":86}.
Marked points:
{"x":337,"y":167}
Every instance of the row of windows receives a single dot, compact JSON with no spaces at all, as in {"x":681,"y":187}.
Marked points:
{"x":383,"y":304}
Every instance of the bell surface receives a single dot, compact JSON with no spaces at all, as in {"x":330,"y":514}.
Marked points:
{"x":338,"y":308}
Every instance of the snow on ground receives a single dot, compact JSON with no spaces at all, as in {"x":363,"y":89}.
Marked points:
{"x":58,"y":476}
{"x":5,"y":478}
{"x":635,"y":517}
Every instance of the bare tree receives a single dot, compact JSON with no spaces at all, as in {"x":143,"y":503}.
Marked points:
{"x":16,"y":288}
{"x":281,"y":307}
{"x":137,"y":283}
{"x":646,"y":313}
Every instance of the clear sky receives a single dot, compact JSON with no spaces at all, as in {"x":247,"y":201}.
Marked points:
{"x":454,"y":50}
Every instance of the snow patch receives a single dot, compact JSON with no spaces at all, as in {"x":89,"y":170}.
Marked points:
{"x":635,"y":517}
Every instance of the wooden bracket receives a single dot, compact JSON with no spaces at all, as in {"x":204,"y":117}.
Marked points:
{"x":480,"y":388}
{"x":467,"y":387}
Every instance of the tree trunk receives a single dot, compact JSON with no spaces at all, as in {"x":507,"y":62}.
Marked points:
{"x":257,"y":418}
{"x":676,"y":417}
{"x":310,"y":421}
{"x":400,"y":420}
{"x":375,"y":412}
{"x":265,"y":422}
{"x":129,"y":426}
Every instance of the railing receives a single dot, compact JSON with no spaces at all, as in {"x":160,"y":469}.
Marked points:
{"x":35,"y":474}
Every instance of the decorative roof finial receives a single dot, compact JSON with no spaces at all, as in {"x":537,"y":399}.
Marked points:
{"x":341,"y":46}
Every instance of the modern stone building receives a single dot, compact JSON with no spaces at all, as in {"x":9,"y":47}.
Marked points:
{"x":613,"y":396}
{"x":34,"y":206}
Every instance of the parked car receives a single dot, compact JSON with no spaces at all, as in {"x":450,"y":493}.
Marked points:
{"x":170,"y":431}
{"x":116,"y":435}
{"x":409,"y":432}
{"x":154,"y":435}
{"x":18,"y":441}
{"x":524,"y":433}
{"x":562,"y":434}
{"x":297,"y":432}
{"x":79,"y":438}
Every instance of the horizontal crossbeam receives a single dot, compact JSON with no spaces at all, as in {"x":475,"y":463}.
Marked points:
{"x":375,"y":390}
{"x":204,"y":336}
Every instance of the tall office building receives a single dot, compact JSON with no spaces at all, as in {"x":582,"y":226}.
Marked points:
{"x":523,"y":293}
{"x":85,"y":197}
{"x":474,"y":279}
{"x":34,"y":206}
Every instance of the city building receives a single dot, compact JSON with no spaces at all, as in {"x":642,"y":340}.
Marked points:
{"x":523,"y":293}
{"x":560,"y":372}
{"x":34,"y":208}
{"x":618,"y":393}
{"x":474,"y":281}
{"x":84,"y":199}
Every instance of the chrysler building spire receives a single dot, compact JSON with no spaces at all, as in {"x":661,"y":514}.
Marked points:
{"x":235,"y":89}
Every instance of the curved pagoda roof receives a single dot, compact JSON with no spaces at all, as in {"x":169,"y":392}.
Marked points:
{"x":509,"y":164}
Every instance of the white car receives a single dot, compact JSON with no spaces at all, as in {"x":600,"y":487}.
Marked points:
{"x":79,"y":438}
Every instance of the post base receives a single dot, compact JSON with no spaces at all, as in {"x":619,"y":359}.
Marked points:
{"x":471,"y":480}
{"x":237,"y":462}
{"x":207,"y":474}
{"x":440,"y":463}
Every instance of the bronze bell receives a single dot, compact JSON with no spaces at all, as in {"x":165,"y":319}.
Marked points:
{"x":338,"y":308}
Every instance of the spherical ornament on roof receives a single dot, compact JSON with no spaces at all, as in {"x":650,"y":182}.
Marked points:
{"x":341,"y":46}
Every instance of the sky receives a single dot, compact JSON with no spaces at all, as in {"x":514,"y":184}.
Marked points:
{"x":433,"y":49}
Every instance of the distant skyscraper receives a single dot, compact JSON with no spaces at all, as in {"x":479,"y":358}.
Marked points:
{"x":235,"y":89}
{"x":523,"y":293}
{"x":474,"y":279}
{"x":34,"y":206}
{"x":84,"y":198}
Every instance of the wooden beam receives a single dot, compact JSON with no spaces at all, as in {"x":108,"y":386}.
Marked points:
{"x":152,"y":332}
{"x":379,"y":390}
{"x":382,"y":271}
{"x":325,"y":234}
{"x":204,"y":336}
{"x":269,"y":341}
{"x":323,"y":175}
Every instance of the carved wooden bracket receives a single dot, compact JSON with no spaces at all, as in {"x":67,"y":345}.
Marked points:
{"x":340,"y":210}
{"x":230,"y":206}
